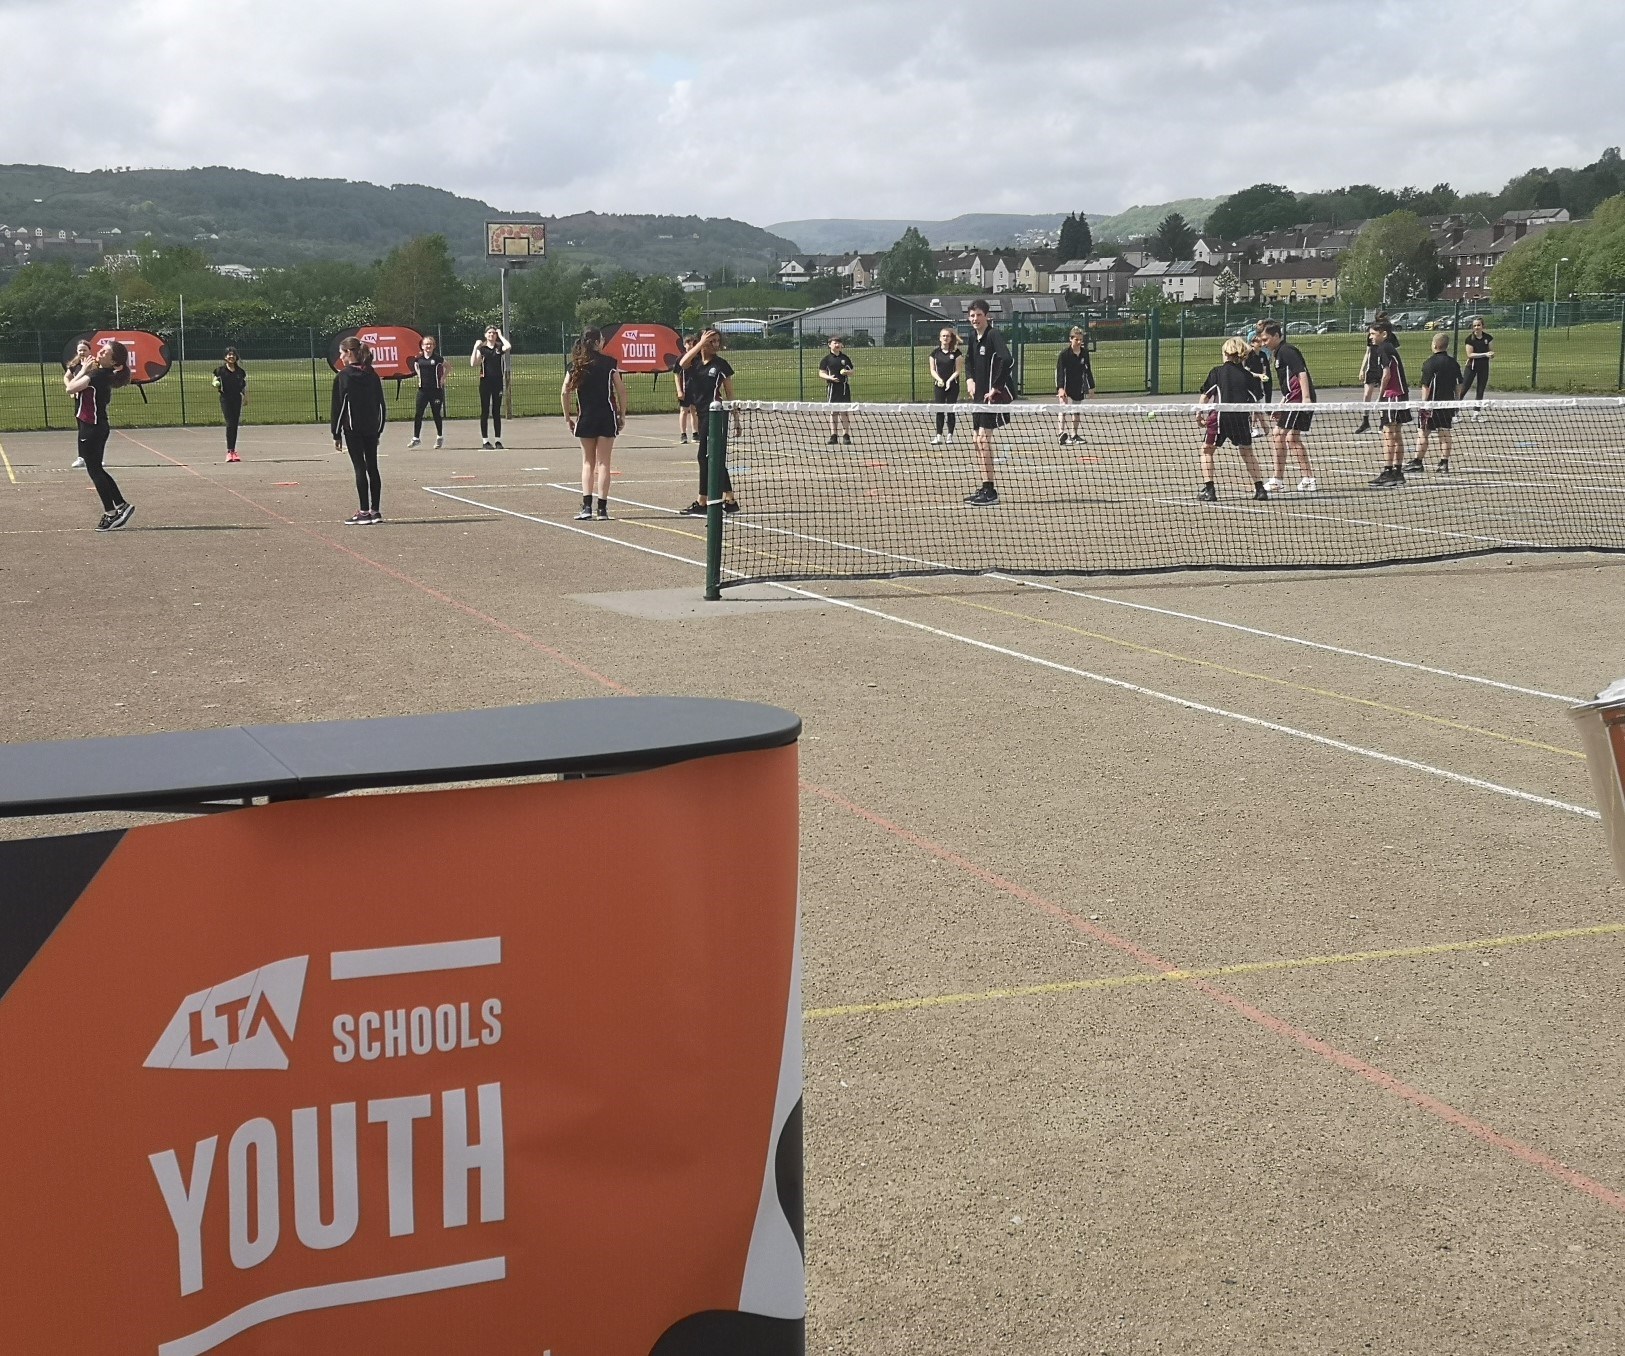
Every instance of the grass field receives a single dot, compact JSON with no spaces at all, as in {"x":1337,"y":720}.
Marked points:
{"x":1584,"y":359}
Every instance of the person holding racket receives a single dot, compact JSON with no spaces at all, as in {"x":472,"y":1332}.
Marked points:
{"x":988,"y":383}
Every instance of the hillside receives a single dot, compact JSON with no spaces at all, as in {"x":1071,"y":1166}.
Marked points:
{"x":835,"y":235}
{"x":266,"y":220}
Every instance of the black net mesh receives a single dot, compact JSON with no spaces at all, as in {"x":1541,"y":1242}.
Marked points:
{"x":1122,"y":493}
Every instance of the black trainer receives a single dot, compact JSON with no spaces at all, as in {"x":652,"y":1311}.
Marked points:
{"x":985,"y":497}
{"x":603,"y":513}
{"x":1444,"y":465}
{"x":121,"y":515}
{"x":1208,"y":495}
{"x":585,"y":516}
{"x":1063,"y":440}
{"x":694,"y":510}
{"x":1415,"y":464}
{"x":1259,"y":492}
{"x":1383,"y":479}
{"x":834,"y":441}
{"x":1365,"y":425}
{"x":105,"y":521}
{"x":847,"y":439}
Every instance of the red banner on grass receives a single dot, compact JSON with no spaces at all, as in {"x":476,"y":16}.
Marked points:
{"x":644,"y":348}
{"x":149,"y":353}
{"x":393,"y":348}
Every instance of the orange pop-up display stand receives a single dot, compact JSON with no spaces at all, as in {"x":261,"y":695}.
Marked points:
{"x":509,"y":1069}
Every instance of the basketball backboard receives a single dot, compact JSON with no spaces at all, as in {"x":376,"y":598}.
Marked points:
{"x":514,"y":242}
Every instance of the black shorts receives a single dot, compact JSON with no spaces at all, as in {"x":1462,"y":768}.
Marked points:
{"x":1080,"y":393}
{"x":1436,"y":421}
{"x":1236,"y":429}
{"x":839,"y":397}
{"x":1393,"y":415}
{"x":685,"y":401}
{"x":989,"y":420}
{"x":1294,"y":419}
{"x":597,"y":424}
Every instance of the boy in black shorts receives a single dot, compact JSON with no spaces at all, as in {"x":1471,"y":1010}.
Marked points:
{"x":1297,"y":391}
{"x":1441,"y":380}
{"x":835,"y":369}
{"x":988,"y":382}
{"x":1230,"y":383}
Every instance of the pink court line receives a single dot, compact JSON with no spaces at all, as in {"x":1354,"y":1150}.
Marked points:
{"x":1378,"y":1078}
{"x":1370,"y":1073}
{"x":397,"y":575}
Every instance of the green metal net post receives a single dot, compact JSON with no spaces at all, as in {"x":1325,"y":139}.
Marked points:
{"x":717,"y":449}
{"x":1619,"y":382}
{"x":44,"y":394}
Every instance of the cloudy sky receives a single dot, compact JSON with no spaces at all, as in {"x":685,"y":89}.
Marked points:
{"x":771,"y":111}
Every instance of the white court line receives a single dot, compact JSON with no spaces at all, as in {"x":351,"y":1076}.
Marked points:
{"x":335,"y":1296}
{"x":1325,"y":741}
{"x":566,"y":527}
{"x":1394,"y":760}
{"x":1290,"y":640}
{"x":417,"y":960}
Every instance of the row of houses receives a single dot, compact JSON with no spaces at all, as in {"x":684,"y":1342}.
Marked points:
{"x":1298,"y":264}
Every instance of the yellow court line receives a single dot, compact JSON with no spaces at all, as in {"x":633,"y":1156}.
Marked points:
{"x":12,"y":475}
{"x":1385,"y":707}
{"x":1215,"y":972}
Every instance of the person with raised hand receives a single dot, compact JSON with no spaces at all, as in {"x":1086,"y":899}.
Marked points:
{"x":490,"y":356}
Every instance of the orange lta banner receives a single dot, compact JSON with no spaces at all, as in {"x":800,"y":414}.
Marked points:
{"x":509,"y":1070}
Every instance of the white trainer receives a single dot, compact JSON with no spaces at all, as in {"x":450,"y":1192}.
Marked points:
{"x":78,"y":464}
{"x":439,"y":443}
{"x":1307,"y":485}
{"x":936,"y":440}
{"x":413,"y":443}
{"x":1273,"y":484}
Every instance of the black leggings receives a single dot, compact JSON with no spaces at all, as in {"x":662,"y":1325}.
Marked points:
{"x":92,"y":445}
{"x":490,"y":407}
{"x":1477,"y":374}
{"x":947,"y":395}
{"x":231,"y":407}
{"x":435,"y":403}
{"x":363,"y":449}
{"x":704,"y":455}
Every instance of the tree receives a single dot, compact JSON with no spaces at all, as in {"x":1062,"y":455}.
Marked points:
{"x":594,"y":313}
{"x":1226,"y":286}
{"x":1263,"y":207}
{"x":1395,"y":250}
{"x":909,"y":265}
{"x":544,"y":299}
{"x":1526,"y":270}
{"x":1174,"y":238}
{"x":1602,"y":254}
{"x":418,"y":285}
{"x":1145,"y":298}
{"x":1077,"y":240}
{"x":50,"y":297}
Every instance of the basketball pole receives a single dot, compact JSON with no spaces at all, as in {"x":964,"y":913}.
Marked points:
{"x":507,"y":363}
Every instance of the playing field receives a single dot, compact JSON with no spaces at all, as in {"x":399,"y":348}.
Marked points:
{"x":1208,"y":964}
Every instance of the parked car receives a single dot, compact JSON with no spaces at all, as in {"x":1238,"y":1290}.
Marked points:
{"x":1443,"y":322}
{"x":1299,"y":327}
{"x":1329,"y":327}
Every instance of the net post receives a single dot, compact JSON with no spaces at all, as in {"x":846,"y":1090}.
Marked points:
{"x":1534,"y":353}
{"x":801,"y":360}
{"x":717,"y":450}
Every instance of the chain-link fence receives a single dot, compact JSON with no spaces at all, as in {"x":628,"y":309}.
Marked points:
{"x":1569,"y":347}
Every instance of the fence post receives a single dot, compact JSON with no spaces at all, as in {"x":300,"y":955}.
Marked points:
{"x":44,"y":395}
{"x":1534,"y":353}
{"x":315,"y":395}
{"x":1455,"y":330}
{"x":913,"y":336}
{"x":181,"y":377}
{"x":1153,"y":349}
{"x":801,"y":362}
{"x":1619,"y":383}
{"x":1181,"y":350}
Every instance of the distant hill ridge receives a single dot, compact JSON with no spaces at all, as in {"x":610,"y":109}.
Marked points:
{"x":991,"y":230}
{"x":266,"y":220}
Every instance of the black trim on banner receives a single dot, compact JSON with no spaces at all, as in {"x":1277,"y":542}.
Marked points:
{"x":788,"y":1174}
{"x":44,"y":878}
{"x":721,"y":1332}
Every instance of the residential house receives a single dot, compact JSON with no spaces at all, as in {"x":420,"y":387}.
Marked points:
{"x":954,"y":265}
{"x":1209,"y":250}
{"x":994,"y":272}
{"x":1290,"y":280}
{"x":1035,"y":271}
{"x":692,"y":282}
{"x":1068,"y":276}
{"x":1475,"y":253}
{"x":803,"y":268}
{"x":1106,"y":282}
{"x":861,"y":270}
{"x":1189,"y":280}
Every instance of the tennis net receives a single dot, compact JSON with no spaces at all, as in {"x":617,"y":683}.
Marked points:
{"x":887,"y":496}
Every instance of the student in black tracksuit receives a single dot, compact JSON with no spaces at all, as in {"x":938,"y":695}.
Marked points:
{"x":232,"y":382}
{"x":360,"y":413}
{"x":707,"y":378}
{"x":489,"y":356}
{"x":1480,"y":349}
{"x":92,"y":385}
{"x":988,"y":382}
{"x":1074,"y":380}
{"x":430,"y":370}
{"x":1230,"y":383}
{"x":947,"y":376}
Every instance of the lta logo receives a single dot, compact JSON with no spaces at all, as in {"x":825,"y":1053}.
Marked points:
{"x":244,"y":1023}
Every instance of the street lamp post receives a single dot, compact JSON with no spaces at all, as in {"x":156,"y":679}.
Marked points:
{"x":1555,"y":263}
